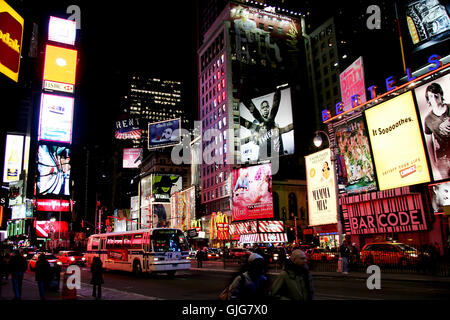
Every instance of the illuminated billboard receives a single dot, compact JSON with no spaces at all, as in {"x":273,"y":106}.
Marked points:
{"x":55,"y":120}
{"x":321,"y":186}
{"x":440,"y":200}
{"x":165,"y":185}
{"x":53,"y":205}
{"x":46,"y":228}
{"x":128,"y":129}
{"x":62,"y":30}
{"x":53,"y":170}
{"x":434,"y":111}
{"x":11,"y":35}
{"x":13,"y":158}
{"x":352,"y":83}
{"x":252,"y":193}
{"x":60,"y":64}
{"x":262,"y":37}
{"x":266,"y":126}
{"x":164,"y":133}
{"x":403,"y":213}
{"x":183,"y":209}
{"x":355,"y":163}
{"x":427,"y":22}
{"x":396,"y":142}
{"x":132,"y":157}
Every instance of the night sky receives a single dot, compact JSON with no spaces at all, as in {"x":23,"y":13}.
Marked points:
{"x":154,"y":37}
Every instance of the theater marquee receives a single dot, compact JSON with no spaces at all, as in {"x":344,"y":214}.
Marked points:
{"x":403,"y":213}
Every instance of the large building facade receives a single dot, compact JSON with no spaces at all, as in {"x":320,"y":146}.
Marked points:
{"x":250,"y":55}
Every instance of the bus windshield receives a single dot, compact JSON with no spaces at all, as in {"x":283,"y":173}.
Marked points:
{"x":165,"y":240}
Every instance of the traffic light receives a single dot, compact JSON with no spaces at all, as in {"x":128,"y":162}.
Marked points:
{"x":82,"y":224}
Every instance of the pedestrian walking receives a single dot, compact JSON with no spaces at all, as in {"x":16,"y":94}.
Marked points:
{"x":345,"y":253}
{"x":17,"y":266}
{"x":97,"y":277}
{"x":295,"y":281}
{"x":251,"y":284}
{"x":42,"y":275}
{"x":354,"y":256}
{"x":200,"y":256}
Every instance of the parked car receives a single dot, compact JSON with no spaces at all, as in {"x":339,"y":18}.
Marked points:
{"x":239,"y":253}
{"x":213,"y":253}
{"x":55,"y":268}
{"x":321,"y":254}
{"x":389,"y":253}
{"x":71,"y":257}
{"x":51,"y":258}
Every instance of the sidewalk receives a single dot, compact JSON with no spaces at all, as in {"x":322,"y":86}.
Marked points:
{"x":30,"y":292}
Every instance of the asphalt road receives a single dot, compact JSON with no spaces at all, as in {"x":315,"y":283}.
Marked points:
{"x":206,"y":285}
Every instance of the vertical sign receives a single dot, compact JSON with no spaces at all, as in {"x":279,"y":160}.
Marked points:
{"x":321,"y":187}
{"x":352,"y":83}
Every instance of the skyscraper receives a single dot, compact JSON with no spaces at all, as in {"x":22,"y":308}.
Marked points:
{"x":249,"y":54}
{"x":152,"y":99}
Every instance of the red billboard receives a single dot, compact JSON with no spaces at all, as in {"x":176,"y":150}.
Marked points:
{"x":53,"y":205}
{"x":44,"y":228}
{"x":252,"y":193}
{"x":402,"y":213}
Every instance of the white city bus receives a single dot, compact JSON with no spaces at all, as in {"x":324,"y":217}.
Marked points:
{"x":146,"y":250}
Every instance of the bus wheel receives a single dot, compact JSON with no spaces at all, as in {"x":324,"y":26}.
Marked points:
{"x":137,"y":270}
{"x":171,"y":273}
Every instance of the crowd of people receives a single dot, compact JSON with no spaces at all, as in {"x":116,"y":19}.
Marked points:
{"x":15,"y":265}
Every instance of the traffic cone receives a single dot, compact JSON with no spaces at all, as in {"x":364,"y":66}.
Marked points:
{"x":67,"y":293}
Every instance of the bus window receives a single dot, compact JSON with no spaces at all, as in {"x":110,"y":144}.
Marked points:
{"x":127,"y":241}
{"x":110,"y":243}
{"x":118,"y":242}
{"x":169,"y":240}
{"x":94,"y":243}
{"x":137,"y":241}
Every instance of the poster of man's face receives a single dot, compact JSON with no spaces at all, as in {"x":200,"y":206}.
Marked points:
{"x":440,"y":197}
{"x":266,"y":129}
{"x":433,"y":100}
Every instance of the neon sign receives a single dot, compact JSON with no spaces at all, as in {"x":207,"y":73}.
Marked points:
{"x":390,"y":86}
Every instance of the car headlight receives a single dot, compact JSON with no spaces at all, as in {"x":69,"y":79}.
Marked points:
{"x":72,"y":259}
{"x":59,"y":263}
{"x":83,"y":258}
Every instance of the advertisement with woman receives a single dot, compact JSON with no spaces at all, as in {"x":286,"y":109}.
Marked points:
{"x":252,"y":193}
{"x":355,"y":162}
{"x":433,"y":104}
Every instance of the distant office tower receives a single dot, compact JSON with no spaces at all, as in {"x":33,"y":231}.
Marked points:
{"x":150,"y":99}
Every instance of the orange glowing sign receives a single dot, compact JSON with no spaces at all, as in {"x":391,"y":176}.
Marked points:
{"x":60,"y":64}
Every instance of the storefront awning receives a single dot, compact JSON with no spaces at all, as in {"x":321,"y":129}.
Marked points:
{"x":263,"y":237}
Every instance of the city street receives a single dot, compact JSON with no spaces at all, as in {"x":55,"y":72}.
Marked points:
{"x":207,"y":283}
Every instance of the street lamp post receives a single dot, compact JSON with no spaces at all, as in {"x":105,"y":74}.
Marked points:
{"x":318,"y":142}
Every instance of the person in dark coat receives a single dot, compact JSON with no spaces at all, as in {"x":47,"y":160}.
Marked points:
{"x":345,"y":253}
{"x":17,"y":266}
{"x":97,"y":277}
{"x":200,"y":258}
{"x":252,"y":284}
{"x":42,"y":274}
{"x":295,"y":281}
